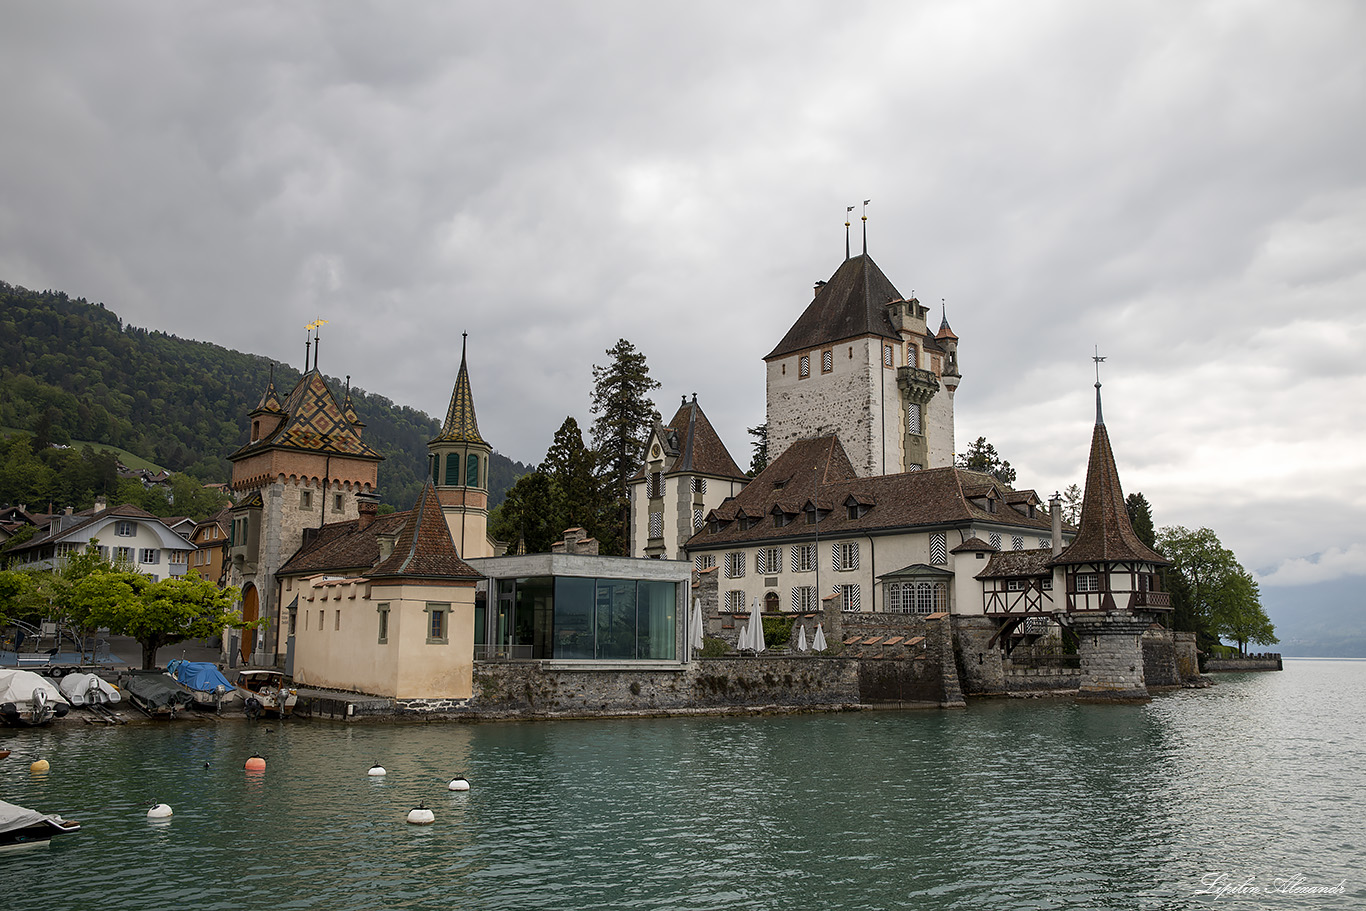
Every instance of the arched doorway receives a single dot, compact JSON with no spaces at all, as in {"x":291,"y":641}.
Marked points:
{"x":771,"y":603}
{"x":251,"y":610}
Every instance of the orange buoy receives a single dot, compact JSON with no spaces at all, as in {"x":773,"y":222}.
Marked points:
{"x":256,"y":764}
{"x":40,"y":766}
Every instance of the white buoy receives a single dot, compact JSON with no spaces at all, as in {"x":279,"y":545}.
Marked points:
{"x":458,"y":783}
{"x":160,"y":811}
{"x":421,"y":816}
{"x":377,"y":770}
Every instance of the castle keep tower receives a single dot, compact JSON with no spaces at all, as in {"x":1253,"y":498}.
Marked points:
{"x":460,"y":469}
{"x":862,"y":363}
{"x":304,"y":465}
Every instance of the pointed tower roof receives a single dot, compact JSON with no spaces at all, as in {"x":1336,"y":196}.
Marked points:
{"x":944,"y":330}
{"x":1106,"y":535}
{"x":461,"y":425}
{"x":314,"y":422}
{"x":348,"y":409}
{"x":700,"y":450}
{"x":270,"y":400}
{"x":424,"y":549}
{"x":847,"y":306}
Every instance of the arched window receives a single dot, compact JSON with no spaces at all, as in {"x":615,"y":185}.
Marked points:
{"x":453,"y":470}
{"x":924,"y":598}
{"x":472,"y":470}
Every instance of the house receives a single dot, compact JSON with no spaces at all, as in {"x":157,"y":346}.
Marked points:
{"x":125,"y":535}
{"x":210,"y":539}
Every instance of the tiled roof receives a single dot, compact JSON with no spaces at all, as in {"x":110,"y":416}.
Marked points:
{"x":314,"y":422}
{"x":343,"y":546}
{"x":1106,"y":534}
{"x":913,"y":499}
{"x":915,"y":571}
{"x":700,"y":450}
{"x":971,"y":545}
{"x":1034,"y":562}
{"x":424,"y":549}
{"x":82,"y":520}
{"x":461,"y":425}
{"x":847,"y":306}
{"x":270,"y":401}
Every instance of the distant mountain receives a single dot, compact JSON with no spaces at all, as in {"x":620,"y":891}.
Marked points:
{"x":72,"y":369}
{"x":1323,"y":620}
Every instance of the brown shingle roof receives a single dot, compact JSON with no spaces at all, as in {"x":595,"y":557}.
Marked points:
{"x":847,"y":306}
{"x":700,"y":450}
{"x":424,"y":549}
{"x":342,"y":547}
{"x":1106,"y":534}
{"x":1033,"y":562}
{"x":461,"y":425}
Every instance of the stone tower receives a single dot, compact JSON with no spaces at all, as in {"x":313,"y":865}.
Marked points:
{"x":861,"y":362}
{"x":304,"y":465}
{"x":460,"y":470}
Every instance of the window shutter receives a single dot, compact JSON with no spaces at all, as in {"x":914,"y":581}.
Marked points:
{"x":835,"y":557}
{"x":696,"y":519}
{"x":939,"y":548}
{"x":855,"y":555}
{"x":913,"y":418}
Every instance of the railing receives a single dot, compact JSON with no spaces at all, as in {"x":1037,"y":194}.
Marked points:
{"x":1152,"y":599}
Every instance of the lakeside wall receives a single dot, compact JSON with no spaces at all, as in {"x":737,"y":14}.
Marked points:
{"x":1270,"y":661}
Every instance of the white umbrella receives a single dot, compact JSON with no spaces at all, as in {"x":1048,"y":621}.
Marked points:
{"x":697,"y":623}
{"x":756,"y":631}
{"x":818,"y":645}
{"x":801,"y":640}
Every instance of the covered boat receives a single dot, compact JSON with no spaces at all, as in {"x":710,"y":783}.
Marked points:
{"x":208,"y":687}
{"x":88,"y":689}
{"x":264,"y":693}
{"x":27,"y":699}
{"x":155,"y":693}
{"x":21,"y":828}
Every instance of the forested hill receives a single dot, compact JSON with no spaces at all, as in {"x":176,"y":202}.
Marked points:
{"x":70,"y":369}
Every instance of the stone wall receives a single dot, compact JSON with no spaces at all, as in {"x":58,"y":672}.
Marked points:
{"x":1187,"y":657}
{"x":1159,"y":658}
{"x":1266,"y":662}
{"x":980,"y":671}
{"x":1112,"y":661}
{"x":1042,"y":673}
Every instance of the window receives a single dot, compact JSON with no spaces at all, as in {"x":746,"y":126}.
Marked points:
{"x":436,"y":623}
{"x":888,"y":359}
{"x":781,"y":518}
{"x":336,"y":621}
{"x":844,"y":556}
{"x":704,"y":561}
{"x":699,"y":485}
{"x":769,"y":561}
{"x":1016,"y":542}
{"x":1046,"y":584}
{"x":803,"y":558}
{"x":735,"y":565}
{"x":320,"y":621}
{"x":293,"y":621}
{"x":696,"y":519}
{"x":656,"y":525}
{"x":149,"y":555}
{"x":735,"y":602}
{"x":849,"y":598}
{"x":913,"y":418}
{"x":912,"y":356}
{"x":337,"y":502}
{"x":995,"y":540}
{"x":125,"y":529}
{"x":472,"y":470}
{"x":305,"y":499}
{"x":804,"y":366}
{"x":1017,"y":585}
{"x":383,"y":611}
{"x":1088,"y":582}
{"x":655,"y":485}
{"x":827,"y":360}
{"x":123,"y":555}
{"x":453,"y":470}
{"x":813,"y":515}
{"x":939,"y":554}
{"x":803,"y":598}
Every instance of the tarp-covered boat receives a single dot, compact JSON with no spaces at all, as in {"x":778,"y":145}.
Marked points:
{"x":88,"y":689}
{"x":20,"y":827}
{"x":155,"y":693}
{"x":207,"y":685}
{"x":27,"y":698}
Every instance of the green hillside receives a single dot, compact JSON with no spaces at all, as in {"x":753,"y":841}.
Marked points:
{"x":70,"y":369}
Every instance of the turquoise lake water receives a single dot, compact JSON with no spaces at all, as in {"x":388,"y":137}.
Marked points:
{"x":1010,"y":804}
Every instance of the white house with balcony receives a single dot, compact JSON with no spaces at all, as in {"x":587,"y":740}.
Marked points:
{"x":125,"y":535}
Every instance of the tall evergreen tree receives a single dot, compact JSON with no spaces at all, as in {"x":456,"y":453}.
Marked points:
{"x":759,"y":461}
{"x":528,"y":514}
{"x":621,"y":401}
{"x":570,"y":463}
{"x":1071,"y":504}
{"x":982,"y":456}
{"x":1141,"y":518}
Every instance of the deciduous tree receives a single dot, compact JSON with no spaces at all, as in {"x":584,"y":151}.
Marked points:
{"x":164,"y":612}
{"x":1212,"y":595}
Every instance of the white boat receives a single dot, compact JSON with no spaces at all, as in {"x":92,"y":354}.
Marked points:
{"x":23,"y":828}
{"x":28,"y":699}
{"x":264,"y":693}
{"x":88,"y":689}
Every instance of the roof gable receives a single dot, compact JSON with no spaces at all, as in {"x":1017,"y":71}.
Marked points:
{"x":698,"y":447}
{"x":847,"y":306}
{"x":424,"y":549}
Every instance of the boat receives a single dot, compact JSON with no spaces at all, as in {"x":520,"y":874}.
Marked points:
{"x":28,"y":699}
{"x":155,"y":693}
{"x":267,"y":690}
{"x":23,"y":828}
{"x":87,"y":689}
{"x":206,"y":683}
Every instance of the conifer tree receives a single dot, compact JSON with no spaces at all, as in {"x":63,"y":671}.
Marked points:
{"x":569,"y":464}
{"x":982,"y":456}
{"x":621,"y":402}
{"x":759,"y":461}
{"x":1141,"y":518}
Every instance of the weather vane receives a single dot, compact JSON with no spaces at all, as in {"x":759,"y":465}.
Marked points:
{"x":1099,"y":360}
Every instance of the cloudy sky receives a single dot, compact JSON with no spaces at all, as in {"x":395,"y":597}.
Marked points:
{"x":1182,"y":184}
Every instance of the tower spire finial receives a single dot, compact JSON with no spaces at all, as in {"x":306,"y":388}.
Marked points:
{"x":865,"y":226}
{"x":847,"y":210}
{"x":464,"y":337}
{"x":1099,"y":360}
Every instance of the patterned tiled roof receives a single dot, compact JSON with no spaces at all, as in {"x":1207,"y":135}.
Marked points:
{"x":424,"y":549}
{"x":461,"y":425}
{"x":700,"y":450}
{"x":314,"y":422}
{"x":270,"y":401}
{"x":1106,"y":534}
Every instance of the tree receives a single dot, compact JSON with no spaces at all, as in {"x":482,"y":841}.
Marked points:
{"x":528,"y":514}
{"x":1141,"y":518}
{"x":16,"y":591}
{"x":162,"y":613}
{"x":1239,"y":615}
{"x":759,"y":461}
{"x":569,"y":464}
{"x":1212,"y":595}
{"x":1071,"y":504}
{"x":621,"y":401}
{"x":982,"y":456}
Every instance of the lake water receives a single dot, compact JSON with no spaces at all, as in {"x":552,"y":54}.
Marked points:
{"x":1011,"y":804}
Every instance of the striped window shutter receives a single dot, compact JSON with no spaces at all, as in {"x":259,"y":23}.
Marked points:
{"x":995,"y":540}
{"x":656,"y":524}
{"x":854,"y":563}
{"x":827,"y":361}
{"x":1016,"y":542}
{"x":939,"y":555}
{"x":834,"y":556}
{"x":913,"y":418}
{"x":1045,"y":542}
{"x":696,"y":519}
{"x":760,"y":563}
{"x":887,"y":355}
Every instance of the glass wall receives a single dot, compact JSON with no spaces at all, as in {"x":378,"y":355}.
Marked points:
{"x":566,"y":617}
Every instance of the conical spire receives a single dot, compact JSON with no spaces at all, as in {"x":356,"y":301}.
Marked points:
{"x":270,"y":399}
{"x":461,"y":425}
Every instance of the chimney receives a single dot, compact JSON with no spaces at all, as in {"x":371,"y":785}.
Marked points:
{"x":817,"y":290}
{"x":70,"y":510}
{"x":101,"y":504}
{"x":368,"y":505}
{"x":1055,"y":510}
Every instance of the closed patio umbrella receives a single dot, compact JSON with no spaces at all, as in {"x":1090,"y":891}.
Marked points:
{"x":801,"y":640}
{"x":819,"y":645}
{"x":697,"y":623}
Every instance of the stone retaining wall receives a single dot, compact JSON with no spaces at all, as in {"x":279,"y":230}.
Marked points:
{"x":1267,"y":662}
